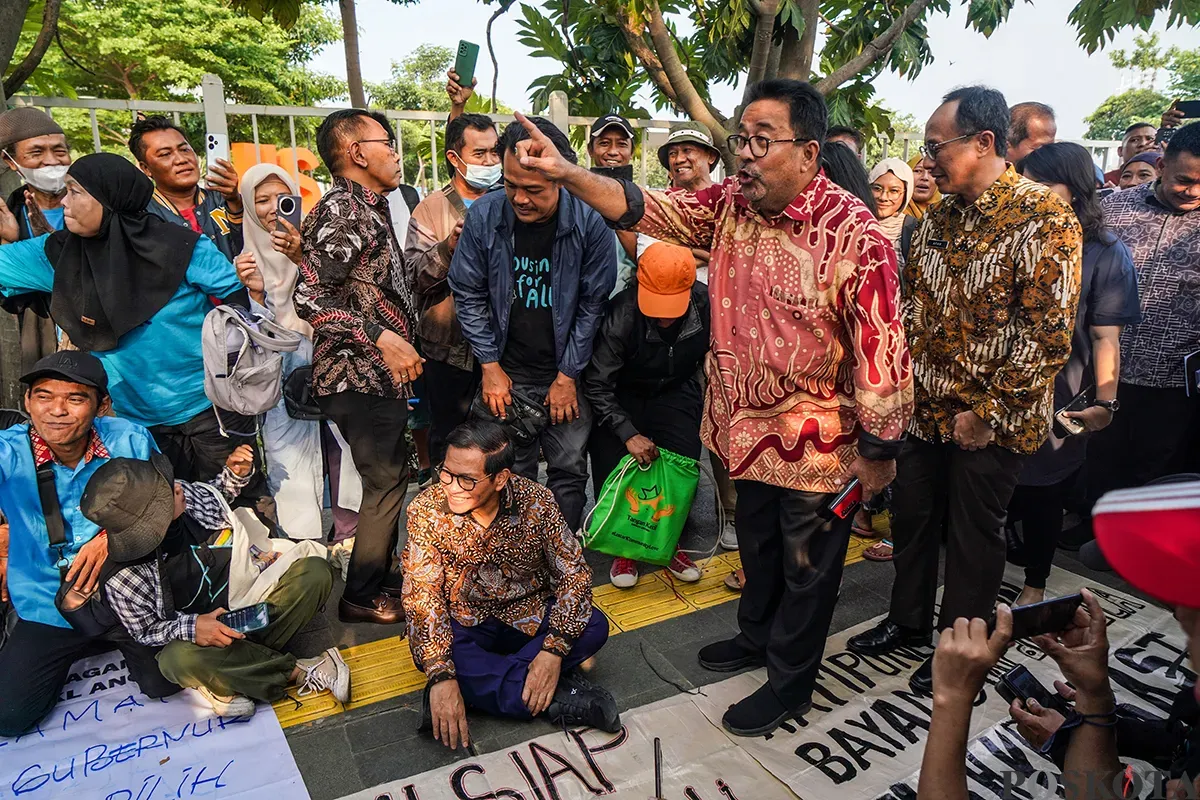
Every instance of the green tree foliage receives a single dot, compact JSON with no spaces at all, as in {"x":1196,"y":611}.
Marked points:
{"x":1098,"y":21}
{"x":1145,"y":103}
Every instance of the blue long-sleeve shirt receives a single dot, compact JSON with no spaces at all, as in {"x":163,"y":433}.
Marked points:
{"x":156,"y":371}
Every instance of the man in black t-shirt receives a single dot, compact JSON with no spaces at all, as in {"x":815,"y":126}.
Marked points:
{"x":530,"y":276}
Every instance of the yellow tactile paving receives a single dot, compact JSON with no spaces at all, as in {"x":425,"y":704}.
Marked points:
{"x":384,"y":669}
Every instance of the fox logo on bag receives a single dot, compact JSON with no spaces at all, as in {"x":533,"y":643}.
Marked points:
{"x":650,"y":497}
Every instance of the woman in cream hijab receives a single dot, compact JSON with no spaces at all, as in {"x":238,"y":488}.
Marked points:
{"x":892,"y":186}
{"x":269,"y":267}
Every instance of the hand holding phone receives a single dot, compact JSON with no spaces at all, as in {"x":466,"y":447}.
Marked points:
{"x":847,"y":501}
{"x":1020,"y":684}
{"x":248,"y":619}
{"x":216,"y":148}
{"x":464,"y":63}
{"x":1048,"y":616}
{"x":288,"y":208}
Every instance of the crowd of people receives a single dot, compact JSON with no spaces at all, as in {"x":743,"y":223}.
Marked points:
{"x":981,"y":336}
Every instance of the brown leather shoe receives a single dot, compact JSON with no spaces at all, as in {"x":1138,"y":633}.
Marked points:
{"x":383,"y":610}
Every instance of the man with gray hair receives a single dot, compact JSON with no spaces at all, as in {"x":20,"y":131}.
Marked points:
{"x":1031,"y":125}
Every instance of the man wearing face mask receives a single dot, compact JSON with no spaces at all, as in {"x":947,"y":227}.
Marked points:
{"x":451,"y":372}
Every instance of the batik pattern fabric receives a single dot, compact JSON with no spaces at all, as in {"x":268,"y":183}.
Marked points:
{"x":992,"y":292}
{"x":353,"y":286}
{"x":809,"y":365}
{"x":1166,"y":257}
{"x":454,"y":568}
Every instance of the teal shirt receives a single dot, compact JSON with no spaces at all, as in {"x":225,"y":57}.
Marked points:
{"x":156,"y":371}
{"x":33,"y":577}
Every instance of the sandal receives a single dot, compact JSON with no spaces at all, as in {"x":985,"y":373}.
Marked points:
{"x":880,"y":551}
{"x":736,"y":580}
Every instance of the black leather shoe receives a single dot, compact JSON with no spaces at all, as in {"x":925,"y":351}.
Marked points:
{"x":727,"y":656}
{"x":760,"y":713}
{"x":383,"y":610}
{"x":578,"y":701}
{"x":921,"y":681}
{"x":884,"y":638}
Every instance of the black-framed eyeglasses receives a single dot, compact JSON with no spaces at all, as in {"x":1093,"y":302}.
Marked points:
{"x":391,"y":143}
{"x":465,"y":482}
{"x":931,"y":150}
{"x":759,"y":145}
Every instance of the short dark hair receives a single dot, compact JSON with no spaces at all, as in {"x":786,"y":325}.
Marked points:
{"x":1137,"y":125}
{"x":515,"y":132}
{"x":845,"y":130}
{"x":488,"y":438}
{"x":1071,"y":165}
{"x":809,"y":116}
{"x":382,"y":119}
{"x":843,"y":168}
{"x":981,"y":108}
{"x":145,"y":125}
{"x":339,"y":125}
{"x":1185,"y":139}
{"x":1021,"y":115}
{"x":456,"y":131}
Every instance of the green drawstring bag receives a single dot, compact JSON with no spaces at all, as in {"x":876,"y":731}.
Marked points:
{"x":641,"y":511}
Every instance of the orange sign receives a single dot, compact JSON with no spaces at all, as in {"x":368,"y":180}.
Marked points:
{"x":293,"y":161}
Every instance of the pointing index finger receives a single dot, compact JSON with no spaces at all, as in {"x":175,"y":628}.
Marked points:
{"x":526,"y":123}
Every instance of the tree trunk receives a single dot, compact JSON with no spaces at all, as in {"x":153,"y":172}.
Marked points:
{"x":797,"y":58}
{"x":12,"y":17}
{"x":761,"y":54}
{"x":354,"y":82}
{"x":22,"y":71}
{"x":689,"y":98}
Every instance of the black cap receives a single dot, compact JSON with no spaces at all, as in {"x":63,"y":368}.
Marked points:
{"x":134,"y":501}
{"x":609,"y":121}
{"x":74,"y":366}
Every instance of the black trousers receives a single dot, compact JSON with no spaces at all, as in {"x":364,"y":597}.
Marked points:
{"x":374,"y":428}
{"x":37,"y":658}
{"x":1156,"y":433}
{"x":964,"y":492}
{"x":449,"y":392}
{"x":793,"y":559}
{"x":670,"y":419}
{"x":1039,"y":509}
{"x":197,"y":451}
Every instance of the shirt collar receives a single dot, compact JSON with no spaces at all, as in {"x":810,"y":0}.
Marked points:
{"x":358,"y":190}
{"x":42,"y":454}
{"x":801,"y":208}
{"x":996,"y":195}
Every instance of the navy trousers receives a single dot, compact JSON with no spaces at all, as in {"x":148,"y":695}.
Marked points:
{"x":492,"y":660}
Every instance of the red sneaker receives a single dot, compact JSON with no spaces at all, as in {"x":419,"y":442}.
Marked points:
{"x":683,"y":568}
{"x":624,"y":573}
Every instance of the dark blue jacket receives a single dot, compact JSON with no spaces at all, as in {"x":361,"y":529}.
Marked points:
{"x":582,"y":276}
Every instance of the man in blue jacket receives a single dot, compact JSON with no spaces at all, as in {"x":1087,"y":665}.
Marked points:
{"x":530,"y":276}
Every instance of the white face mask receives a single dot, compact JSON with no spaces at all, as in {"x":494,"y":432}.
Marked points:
{"x":51,"y":180}
{"x":481,"y":177}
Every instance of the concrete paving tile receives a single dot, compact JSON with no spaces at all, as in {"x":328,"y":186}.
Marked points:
{"x":383,"y":728}
{"x":412,"y":757}
{"x":495,"y":733}
{"x":622,"y":668}
{"x":326,"y":763}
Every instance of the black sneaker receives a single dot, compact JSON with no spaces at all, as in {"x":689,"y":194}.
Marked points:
{"x":728,"y":655}
{"x":577,"y":701}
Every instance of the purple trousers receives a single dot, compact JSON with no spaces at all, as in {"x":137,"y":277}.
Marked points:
{"x":492,"y":660}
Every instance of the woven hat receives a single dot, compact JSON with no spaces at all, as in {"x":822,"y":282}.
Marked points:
{"x":26,"y":122}
{"x":692,"y":135}
{"x":134,"y":501}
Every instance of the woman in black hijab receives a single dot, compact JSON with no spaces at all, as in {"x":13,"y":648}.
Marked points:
{"x":134,"y":290}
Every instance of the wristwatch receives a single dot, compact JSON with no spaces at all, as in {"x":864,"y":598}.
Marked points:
{"x":1112,"y":405}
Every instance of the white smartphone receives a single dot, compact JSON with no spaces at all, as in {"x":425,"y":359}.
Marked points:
{"x":216,"y":147}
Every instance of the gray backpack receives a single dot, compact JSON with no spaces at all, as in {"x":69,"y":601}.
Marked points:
{"x":243,"y":365}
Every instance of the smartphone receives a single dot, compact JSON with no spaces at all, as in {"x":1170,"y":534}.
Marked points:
{"x":1190,"y":108}
{"x":1065,"y":426}
{"x":216,"y":147}
{"x":464,"y":62}
{"x":1105,"y":192}
{"x":1048,"y":616}
{"x":248,"y":619}
{"x":847,"y":501}
{"x":288,"y":206}
{"x":1019,"y":683}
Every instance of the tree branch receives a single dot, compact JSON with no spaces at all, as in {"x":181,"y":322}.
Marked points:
{"x":646,"y":55}
{"x":764,"y":28}
{"x":30,"y":63}
{"x":504,"y":6}
{"x":689,"y":99}
{"x":810,"y":10}
{"x":876,"y":49}
{"x":776,"y":56}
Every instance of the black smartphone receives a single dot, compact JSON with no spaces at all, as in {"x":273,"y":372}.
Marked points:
{"x":1048,"y":616}
{"x":1190,"y":108}
{"x":464,"y":62}
{"x":248,"y":619}
{"x":847,"y":501}
{"x":288,"y":206}
{"x":1019,"y":683}
{"x":1105,"y":192}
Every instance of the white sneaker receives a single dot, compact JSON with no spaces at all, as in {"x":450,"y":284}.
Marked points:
{"x":729,"y":537}
{"x":234,"y":705}
{"x":326,"y":671}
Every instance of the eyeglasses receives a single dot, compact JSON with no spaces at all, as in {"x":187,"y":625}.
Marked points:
{"x":391,"y":143}
{"x":931,"y":150}
{"x":465,"y":482}
{"x":887,"y":194}
{"x":759,"y":145}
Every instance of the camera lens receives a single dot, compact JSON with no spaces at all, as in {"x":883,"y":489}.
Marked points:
{"x":287,"y":205}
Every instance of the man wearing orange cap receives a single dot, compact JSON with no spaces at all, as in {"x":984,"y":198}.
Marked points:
{"x":644,"y":378}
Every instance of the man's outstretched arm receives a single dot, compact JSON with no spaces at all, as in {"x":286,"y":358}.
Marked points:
{"x":606,"y":195}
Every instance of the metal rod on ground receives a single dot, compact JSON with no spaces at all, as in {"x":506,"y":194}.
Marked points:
{"x":658,"y":795}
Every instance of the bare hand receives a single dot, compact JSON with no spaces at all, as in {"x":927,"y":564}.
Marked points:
{"x":642,"y":449}
{"x":1035,"y":724}
{"x":248,"y":273}
{"x":539,"y":153}
{"x":400,"y":356}
{"x":497,"y":389}
{"x":210,"y":632}
{"x":965,"y":654}
{"x":85,"y":569}
{"x":541,"y":681}
{"x":1094,"y":418}
{"x":449,"y":714}
{"x":223,"y":179}
{"x":458,"y":94}
{"x":287,"y":241}
{"x":10,"y":230}
{"x":1172,"y":117}
{"x":875,"y":476}
{"x":37,"y":220}
{"x":563,"y":401}
{"x":241,"y":461}
{"x":1081,"y":651}
{"x":452,"y":239}
{"x":971,"y":432}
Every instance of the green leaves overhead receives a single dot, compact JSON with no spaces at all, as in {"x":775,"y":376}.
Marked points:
{"x":1099,"y":21}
